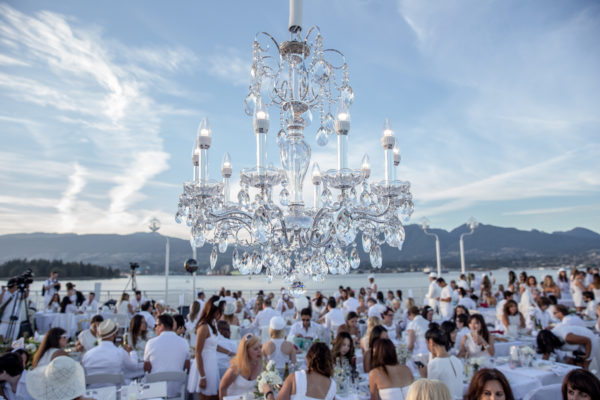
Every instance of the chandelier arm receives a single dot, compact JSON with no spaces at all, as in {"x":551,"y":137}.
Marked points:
{"x":338,"y":53}
{"x":312,"y":29}
{"x":269,"y":37}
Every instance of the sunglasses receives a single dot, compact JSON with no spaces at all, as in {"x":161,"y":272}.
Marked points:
{"x":248,"y":336}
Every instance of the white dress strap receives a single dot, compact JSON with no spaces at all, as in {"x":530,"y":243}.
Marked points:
{"x":300,"y":378}
{"x":332,"y":390}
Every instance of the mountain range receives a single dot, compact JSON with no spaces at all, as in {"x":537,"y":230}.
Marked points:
{"x":488,"y":244}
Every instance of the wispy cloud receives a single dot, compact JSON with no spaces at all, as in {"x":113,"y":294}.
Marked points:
{"x":231,"y":65}
{"x":65,"y":205}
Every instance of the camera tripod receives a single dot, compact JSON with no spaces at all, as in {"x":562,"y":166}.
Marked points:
{"x":13,"y":322}
{"x":131,"y":280}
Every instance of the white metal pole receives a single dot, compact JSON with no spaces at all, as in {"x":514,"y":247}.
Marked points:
{"x":193,"y":277}
{"x":437,"y":256}
{"x":168,"y":248}
{"x":462,"y":254}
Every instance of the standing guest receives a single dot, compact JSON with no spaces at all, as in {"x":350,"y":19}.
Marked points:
{"x":51,"y":286}
{"x":204,"y":377}
{"x":314,"y":383}
{"x":342,"y":350}
{"x":580,"y":384}
{"x":226,"y":343}
{"x":577,"y":289}
{"x":88,"y":338}
{"x":388,"y":380}
{"x":106,"y":358}
{"x":229,"y":314}
{"x":192,"y":321}
{"x":478,"y":342}
{"x":334,"y":317}
{"x":90,"y":305}
{"x":51,"y":347}
{"x":372,"y":284}
{"x":12,"y":378}
{"x":429,"y":389}
{"x":445,"y":299}
{"x":150,"y":320}
{"x":595,"y":286}
{"x":137,"y":337}
{"x":562,"y":281}
{"x":351,"y":304}
{"x":179,"y":325}
{"x":286,"y":306}
{"x":462,"y":282}
{"x":387,"y":321}
{"x":263,"y":318}
{"x":167,"y":352}
{"x":512,"y":285}
{"x":278,"y":349}
{"x":123,"y":307}
{"x":512,"y":319}
{"x":137,"y":301}
{"x":415,"y":330}
{"x":240,"y":378}
{"x":549,"y":287}
{"x":63,"y":379}
{"x":489,"y":383}
{"x":305,"y":328}
{"x":351,"y":327}
{"x":443,"y":366}
{"x":67,"y":306}
{"x":319,"y":306}
{"x":433,"y":294}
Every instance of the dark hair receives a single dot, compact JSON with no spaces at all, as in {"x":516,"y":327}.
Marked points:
{"x":507,"y":294}
{"x":135,"y":329}
{"x":331,"y":302}
{"x":561,"y":308}
{"x":463,"y":319}
{"x":337,"y":346}
{"x":50,"y":341}
{"x":399,"y":294}
{"x":507,"y":305}
{"x":97,"y":318}
{"x":64,"y":303}
{"x":512,"y":277}
{"x":543,"y":301}
{"x":165,"y":320}
{"x":414,"y":310}
{"x":425,"y":311}
{"x":438,"y":337}
{"x":582,"y":380}
{"x":179,"y":320}
{"x":547,"y":342}
{"x":146,"y":306}
{"x":384,"y":353}
{"x":484,"y":330}
{"x":209,"y":312}
{"x":483,"y":376}
{"x":267,"y":302}
{"x":318,"y":359}
{"x":379,"y":296}
{"x":11,"y":363}
{"x":351,"y":315}
{"x":375,"y":334}
{"x":448,"y":327}
{"x":589,"y":294}
{"x":306,"y":311}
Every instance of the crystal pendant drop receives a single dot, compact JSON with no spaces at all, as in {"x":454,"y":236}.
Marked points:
{"x":281,"y":137}
{"x":365,"y":198}
{"x":322,"y":136}
{"x":366,"y":243}
{"x":284,"y":197}
{"x":326,"y":197}
{"x":249,"y":104}
{"x":243,"y":198}
{"x":375,"y":256}
{"x":354,"y":259}
{"x":222,"y":245}
{"x":400,"y":237}
{"x":347,"y":95}
{"x":197,"y":239}
{"x":235,"y":258}
{"x":244,"y":264}
{"x":213,"y":258}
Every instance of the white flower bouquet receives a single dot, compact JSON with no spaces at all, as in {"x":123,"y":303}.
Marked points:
{"x":527,"y":351}
{"x":269,"y":376}
{"x":402,"y":353}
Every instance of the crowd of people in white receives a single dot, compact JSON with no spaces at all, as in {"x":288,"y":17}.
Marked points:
{"x":225,"y":338}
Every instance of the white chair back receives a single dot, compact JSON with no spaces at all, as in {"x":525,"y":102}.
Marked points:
{"x":170,"y":376}
{"x":549,"y":392}
{"x":104,"y":379}
{"x":104,"y":393}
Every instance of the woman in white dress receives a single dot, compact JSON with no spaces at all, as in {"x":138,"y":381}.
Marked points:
{"x":512,"y":319}
{"x":192,"y":321}
{"x":204,"y":374}
{"x":443,"y":366}
{"x":316,"y":383}
{"x":123,"y":307}
{"x":415,"y":330}
{"x":240,"y":378}
{"x":562,"y":280}
{"x":478,"y":342}
{"x":54,"y":304}
{"x":577,"y":289}
{"x":51,"y":347}
{"x":278,"y":349}
{"x":388,"y":380}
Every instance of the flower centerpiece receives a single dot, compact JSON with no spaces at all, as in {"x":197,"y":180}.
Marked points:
{"x":527,"y":354}
{"x":342,"y":373}
{"x":269,"y":376}
{"x":473,"y":364}
{"x":402,"y":353}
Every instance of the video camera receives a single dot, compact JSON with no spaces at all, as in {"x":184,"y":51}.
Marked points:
{"x":133,"y":266}
{"x":23,"y":280}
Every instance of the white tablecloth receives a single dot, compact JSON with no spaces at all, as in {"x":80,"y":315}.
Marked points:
{"x":503,"y":348}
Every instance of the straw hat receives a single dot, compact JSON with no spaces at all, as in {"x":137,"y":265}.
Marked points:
{"x":277,"y":323}
{"x":62,"y":379}
{"x":107,"y":328}
{"x":229,"y":309}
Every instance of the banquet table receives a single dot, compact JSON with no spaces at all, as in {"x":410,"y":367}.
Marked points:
{"x":72,"y":323}
{"x":549,"y":374}
{"x":502,"y":349}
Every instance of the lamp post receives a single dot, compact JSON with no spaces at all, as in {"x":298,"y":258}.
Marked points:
{"x":154,"y":227}
{"x":425,"y":226}
{"x":472,"y":224}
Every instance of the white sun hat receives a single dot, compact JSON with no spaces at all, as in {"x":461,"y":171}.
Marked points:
{"x":277,"y":323}
{"x":371,"y":276}
{"x":62,"y":379}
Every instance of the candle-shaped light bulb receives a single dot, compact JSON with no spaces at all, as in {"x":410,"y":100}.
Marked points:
{"x":195,"y":153}
{"x":316,"y":172}
{"x":387,"y":128}
{"x":366,"y":166}
{"x":261,"y":117}
{"x":397,"y":156}
{"x":226,"y":168}
{"x":342,"y":119}
{"x":204,"y":128}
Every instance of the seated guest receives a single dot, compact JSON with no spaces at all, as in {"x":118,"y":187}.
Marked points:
{"x":427,"y":313}
{"x":123,"y":306}
{"x":590,"y":305}
{"x":334,"y":317}
{"x":64,"y":379}
{"x":415,"y":330}
{"x":542,"y":316}
{"x":305,"y":328}
{"x":561,"y":312}
{"x":137,"y":336}
{"x":375,"y":308}
{"x":87,"y":339}
{"x":372,"y":322}
{"x":278,"y":349}
{"x":377,"y":333}
{"x":351,"y":326}
{"x":90,"y":305}
{"x":462,"y":322}
{"x":478,"y":342}
{"x":576,"y":338}
{"x":388,"y":380}
{"x":489,"y":383}
{"x":225,"y":342}
{"x":465,"y":300}
{"x":549,"y":344}
{"x":67,"y":306}
{"x":179,"y":325}
{"x":240,"y":378}
{"x":451,"y":332}
{"x":314,"y":383}
{"x":580,"y":384}
{"x":167,"y":352}
{"x":147,"y":314}
{"x":512,"y":319}
{"x":51,"y":347}
{"x":12,"y":378}
{"x":106,"y":358}
{"x":54,"y":304}
{"x":387,"y":321}
{"x":430,"y":389}
{"x":263,"y":318}
{"x":443,"y":366}
{"x":500,"y":306}
{"x":342,"y":350}
{"x":24,"y":355}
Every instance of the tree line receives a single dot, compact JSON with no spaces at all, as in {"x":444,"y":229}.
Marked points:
{"x":42,"y":268}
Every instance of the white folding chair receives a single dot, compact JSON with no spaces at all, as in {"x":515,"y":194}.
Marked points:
{"x":170,"y":376}
{"x":98,"y":380}
{"x":549,"y":392}
{"x":105,"y":393}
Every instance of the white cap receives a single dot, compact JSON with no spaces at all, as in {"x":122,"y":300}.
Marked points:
{"x":277,"y":323}
{"x":432,"y":275}
{"x":561,"y":269}
{"x":371,"y":276}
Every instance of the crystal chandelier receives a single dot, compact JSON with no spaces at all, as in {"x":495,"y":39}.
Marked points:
{"x":299,"y":78}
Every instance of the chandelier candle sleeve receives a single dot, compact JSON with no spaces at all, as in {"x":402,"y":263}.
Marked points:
{"x":226,"y":171}
{"x":204,"y":141}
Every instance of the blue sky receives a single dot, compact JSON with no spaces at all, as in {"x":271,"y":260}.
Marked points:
{"x":495,"y":104}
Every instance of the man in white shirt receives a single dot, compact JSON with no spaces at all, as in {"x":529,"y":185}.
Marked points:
{"x":305,"y":328}
{"x":445,"y":299}
{"x":223,"y":359}
{"x":590,"y":305}
{"x":387,"y":321}
{"x":88,"y":338}
{"x":137,"y":300}
{"x":13,"y":378}
{"x":375,"y":309}
{"x":50,"y":287}
{"x":167,"y":352}
{"x":150,"y":321}
{"x":106,"y":358}
{"x":263,"y":318}
{"x":561,"y":312}
{"x":90,"y":306}
{"x":465,"y":300}
{"x":351,"y":304}
{"x":462,"y":282}
{"x":433,"y":294}
{"x":334,"y":317}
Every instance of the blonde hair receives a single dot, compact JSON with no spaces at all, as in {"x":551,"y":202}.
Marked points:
{"x":427,"y":389}
{"x":372,"y":322}
{"x":276,"y":333}
{"x":240,"y":362}
{"x":410,"y":302}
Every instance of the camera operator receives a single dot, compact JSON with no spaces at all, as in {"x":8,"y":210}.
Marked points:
{"x":8,"y":298}
{"x":50,"y":287}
